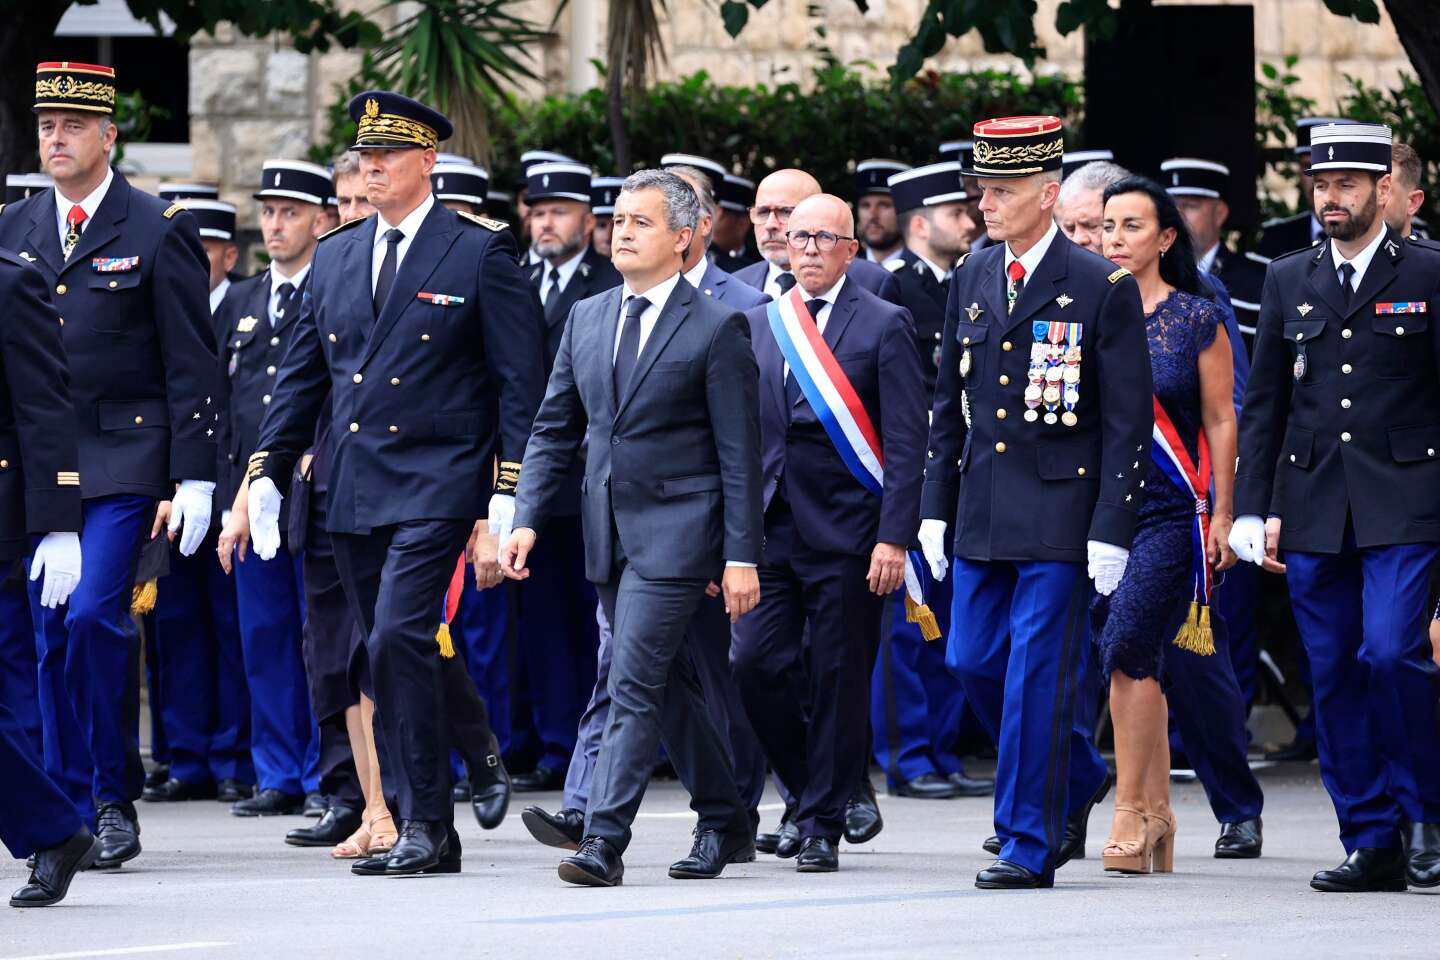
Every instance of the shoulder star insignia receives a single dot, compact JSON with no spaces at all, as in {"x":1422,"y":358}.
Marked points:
{"x":1304,"y":309}
{"x":1064,"y":300}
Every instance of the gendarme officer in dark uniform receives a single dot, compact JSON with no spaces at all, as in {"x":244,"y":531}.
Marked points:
{"x":129,"y":277}
{"x":1043,"y":413}
{"x":423,"y":331}
{"x":1340,"y":438}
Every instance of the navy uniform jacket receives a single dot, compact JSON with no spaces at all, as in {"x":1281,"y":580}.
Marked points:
{"x":1032,"y":491}
{"x":1353,"y":432}
{"x":673,"y":467}
{"x":423,"y":398}
{"x":730,"y":290}
{"x":924,"y":297}
{"x":1244,"y":278}
{"x":874,"y":343}
{"x":39,"y":455}
{"x":1286,"y":235}
{"x":250,"y":354}
{"x":138,"y":338}
{"x":871,"y":276}
{"x":733,"y":260}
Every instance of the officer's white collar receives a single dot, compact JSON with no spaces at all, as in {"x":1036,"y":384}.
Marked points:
{"x":1361,"y":260}
{"x":1032,"y":257}
{"x":89,"y":203}
{"x":567,"y":269}
{"x":277,"y":278}
{"x":409,"y":226}
{"x":696,"y":274}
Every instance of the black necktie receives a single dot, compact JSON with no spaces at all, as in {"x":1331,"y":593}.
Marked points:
{"x":628,"y":351}
{"x":386,"y":279}
{"x":792,"y":388}
{"x":785,"y":281}
{"x":1347,"y":280}
{"x":552,"y":296}
{"x":284,"y":292}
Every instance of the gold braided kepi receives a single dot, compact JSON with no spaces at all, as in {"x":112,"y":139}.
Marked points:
{"x":386,"y":120}
{"x":1017,"y":147}
{"x":66,"y":85}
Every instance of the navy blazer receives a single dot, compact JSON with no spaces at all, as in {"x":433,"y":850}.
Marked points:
{"x":730,"y":290}
{"x":924,"y":297}
{"x":1032,"y":491}
{"x":871,"y":276}
{"x":1341,"y":421}
{"x":39,"y":453}
{"x":424,"y":397}
{"x":595,"y":274}
{"x":874,"y":343}
{"x":673,"y":466}
{"x":134,"y":296}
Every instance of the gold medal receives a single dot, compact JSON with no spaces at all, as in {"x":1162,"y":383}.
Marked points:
{"x":1072,"y":375}
{"x":1069,"y":419}
{"x":1052,"y":395}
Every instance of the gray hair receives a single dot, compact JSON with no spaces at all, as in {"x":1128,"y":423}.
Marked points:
{"x":699,"y":180}
{"x":1095,"y":175}
{"x":346,"y":164}
{"x":682,"y":206}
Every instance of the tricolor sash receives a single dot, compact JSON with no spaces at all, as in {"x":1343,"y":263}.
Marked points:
{"x":1174,"y":461}
{"x":838,"y":407}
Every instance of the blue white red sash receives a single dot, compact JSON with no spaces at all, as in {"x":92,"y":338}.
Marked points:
{"x":838,"y":407}
{"x":1193,"y":478}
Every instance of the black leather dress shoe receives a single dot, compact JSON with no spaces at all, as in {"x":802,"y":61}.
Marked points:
{"x":54,"y":869}
{"x":541,"y":778}
{"x":1240,"y":841}
{"x":233,"y":791}
{"x":766,"y":842}
{"x":420,"y":847}
{"x":595,"y":864}
{"x":992,"y":846}
{"x":1296,"y":751}
{"x":817,"y":855}
{"x":1422,"y":852}
{"x":972,"y":786}
{"x":173,"y":791}
{"x":927,"y":786}
{"x":789,"y":844}
{"x":711,"y":851}
{"x":564,"y":829}
{"x":269,"y":803}
{"x":337,"y":824}
{"x":158,"y":774}
{"x":1367,"y":870}
{"x":119,"y":834}
{"x":1004,"y":875}
{"x":862,"y":814}
{"x":448,"y":861}
{"x":490,"y":789}
{"x":1077,"y":825}
{"x":315,"y":806}
{"x":460,"y":792}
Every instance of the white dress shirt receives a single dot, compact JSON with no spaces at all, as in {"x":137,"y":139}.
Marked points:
{"x":829,"y":296}
{"x":939,"y":273}
{"x":90,"y":203}
{"x":1032,"y":257}
{"x":1361,"y":261}
{"x":696,"y":274}
{"x":277,"y":278}
{"x":1206,"y":263}
{"x":409,"y":226}
{"x":218,"y":294}
{"x":567,"y":270}
{"x":772,"y":281}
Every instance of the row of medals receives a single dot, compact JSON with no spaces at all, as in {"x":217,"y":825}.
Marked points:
{"x":1054,"y":379}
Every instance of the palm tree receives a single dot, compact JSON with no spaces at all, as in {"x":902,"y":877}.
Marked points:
{"x":633,"y":48}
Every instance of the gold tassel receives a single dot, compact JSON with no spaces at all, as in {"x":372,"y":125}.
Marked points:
{"x":142,"y":599}
{"x":922,"y":614}
{"x":1196,"y":634}
{"x":442,"y":637}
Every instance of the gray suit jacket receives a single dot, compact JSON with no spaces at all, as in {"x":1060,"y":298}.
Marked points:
{"x":673,"y":467}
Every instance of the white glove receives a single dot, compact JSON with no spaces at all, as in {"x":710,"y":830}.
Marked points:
{"x":1247,"y":538}
{"x":932,"y":544}
{"x":191,"y":505}
{"x":58,"y":556}
{"x":502,"y":515}
{"x":1106,"y":566}
{"x":264,"y":502}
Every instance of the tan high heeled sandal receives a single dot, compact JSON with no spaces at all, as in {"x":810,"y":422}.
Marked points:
{"x":1160,"y":833}
{"x":382,"y":840}
{"x":353,"y":847}
{"x":1128,"y":856}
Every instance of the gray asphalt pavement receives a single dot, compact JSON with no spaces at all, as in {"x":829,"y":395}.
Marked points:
{"x":213,"y":885}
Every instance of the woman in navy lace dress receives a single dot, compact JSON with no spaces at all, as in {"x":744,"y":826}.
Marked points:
{"x":1192,"y":369}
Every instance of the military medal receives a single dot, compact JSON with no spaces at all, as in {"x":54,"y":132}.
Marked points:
{"x":1072,"y":375}
{"x":1052,"y":395}
{"x":1033,"y":393}
{"x":965,"y":363}
{"x":1300,"y":366}
{"x":1050,"y":418}
{"x":1069,"y":419}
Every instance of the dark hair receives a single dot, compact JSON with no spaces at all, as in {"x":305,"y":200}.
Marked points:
{"x":1177,"y":266}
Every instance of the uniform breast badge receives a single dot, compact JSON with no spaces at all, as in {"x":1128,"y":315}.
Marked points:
{"x":1064,"y":300}
{"x":246,"y":324}
{"x":1304,"y":309}
{"x":973,"y":312}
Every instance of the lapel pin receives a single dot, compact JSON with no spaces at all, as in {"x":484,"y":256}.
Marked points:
{"x":1064,"y":300}
{"x":26,"y":257}
{"x":973,"y":312}
{"x":1304,"y":309}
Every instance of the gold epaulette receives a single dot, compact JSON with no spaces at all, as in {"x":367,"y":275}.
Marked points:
{"x":961,"y":262}
{"x":171,"y":210}
{"x":1115,"y":277}
{"x":486,"y":222}
{"x":343,"y":227}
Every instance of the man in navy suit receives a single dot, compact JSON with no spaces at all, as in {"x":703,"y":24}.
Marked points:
{"x":659,"y":382}
{"x":128,"y":275}
{"x":421,"y":328}
{"x":833,"y":550}
{"x":776,"y":197}
{"x":699,"y":269}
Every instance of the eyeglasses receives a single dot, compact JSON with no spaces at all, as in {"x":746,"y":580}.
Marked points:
{"x":824,"y":240}
{"x":759,"y":215}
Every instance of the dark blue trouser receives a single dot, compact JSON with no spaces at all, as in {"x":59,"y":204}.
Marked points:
{"x":1235,"y":602}
{"x":284,"y":739}
{"x":159,"y":745}
{"x":555,"y":619}
{"x":204,"y":695}
{"x":1363,"y":618}
{"x":89,"y":661}
{"x":1018,"y":632}
{"x":18,"y":678}
{"x":34,"y":813}
{"x":478,"y":632}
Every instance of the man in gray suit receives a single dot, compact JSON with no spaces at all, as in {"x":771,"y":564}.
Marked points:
{"x":660,"y":383}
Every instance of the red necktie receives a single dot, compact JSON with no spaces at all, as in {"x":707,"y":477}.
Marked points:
{"x":73,"y":219}
{"x":1016,"y":270}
